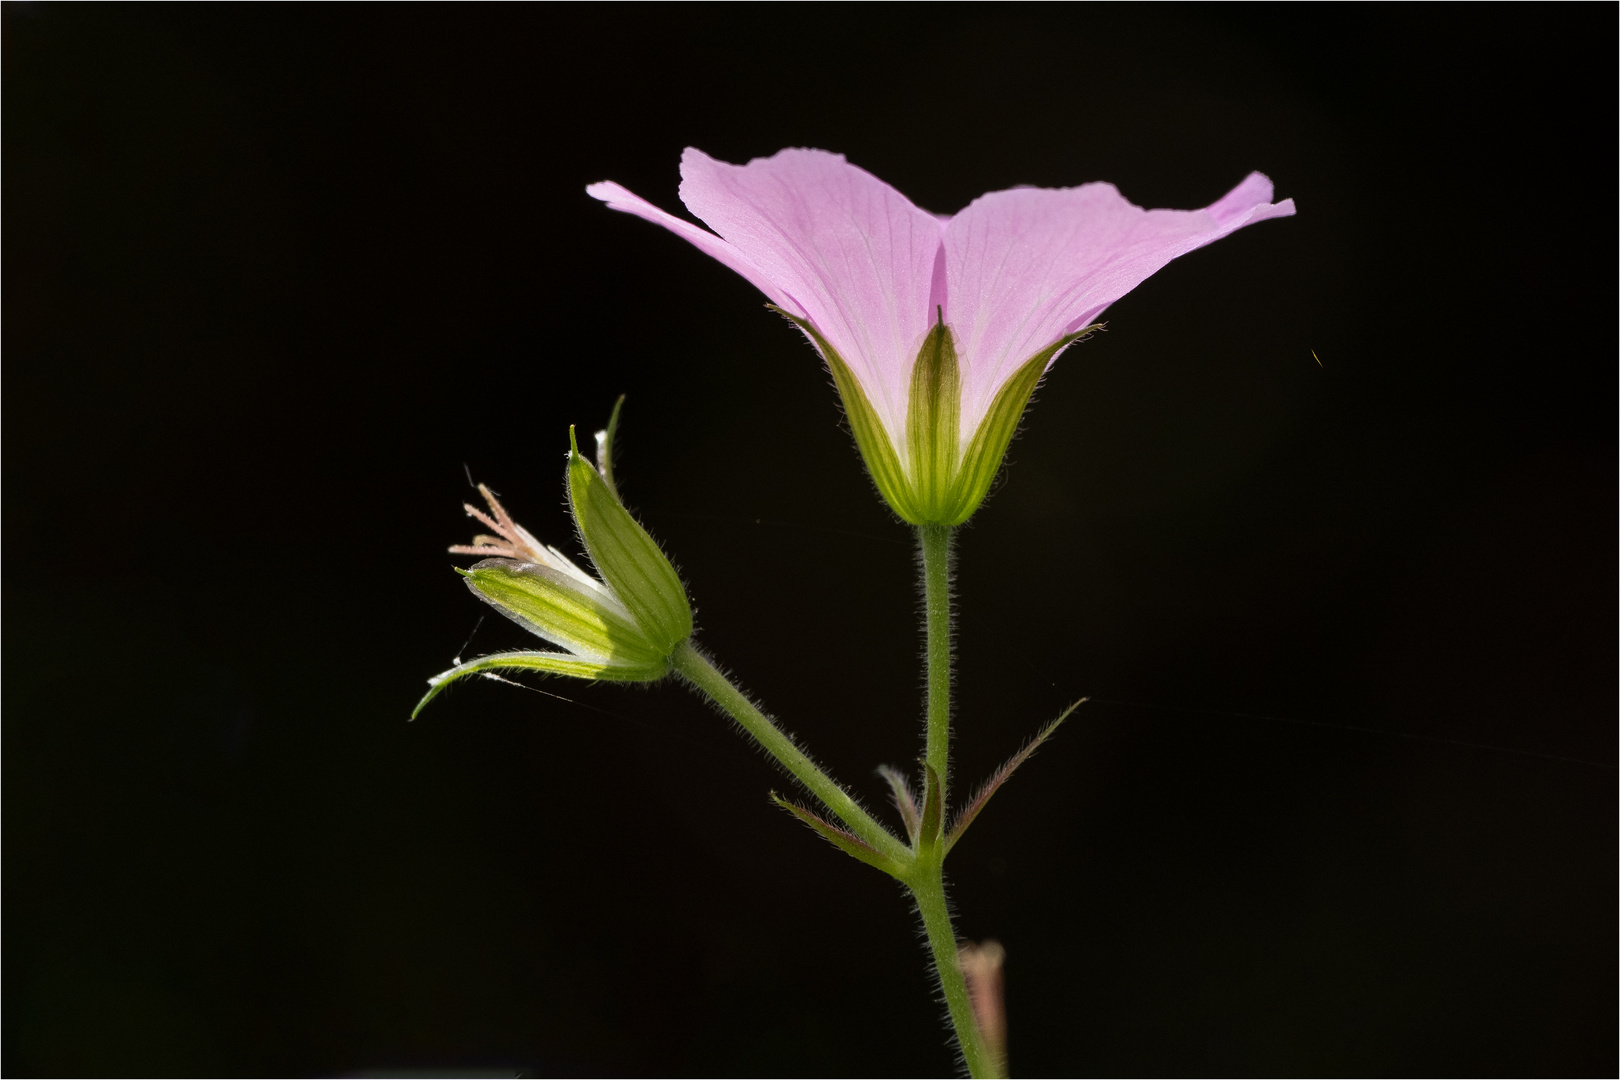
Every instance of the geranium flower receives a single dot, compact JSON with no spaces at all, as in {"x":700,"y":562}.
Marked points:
{"x":936,"y":328}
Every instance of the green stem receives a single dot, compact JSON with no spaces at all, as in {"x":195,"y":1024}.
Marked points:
{"x":700,"y":671}
{"x":935,"y":543}
{"x":929,"y":890}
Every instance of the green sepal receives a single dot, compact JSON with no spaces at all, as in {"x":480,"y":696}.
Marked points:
{"x":847,"y":842}
{"x":965,"y":817}
{"x":938,"y":488}
{"x":933,"y":809}
{"x":985,"y":451}
{"x":628,"y":559}
{"x":563,"y":610}
{"x":933,"y":425}
{"x":871,"y":437}
{"x":545,"y":663}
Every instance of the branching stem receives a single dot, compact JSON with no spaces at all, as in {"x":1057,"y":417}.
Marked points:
{"x":922,"y":865}
{"x":700,"y":672}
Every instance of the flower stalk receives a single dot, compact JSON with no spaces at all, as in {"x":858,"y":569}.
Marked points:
{"x":700,"y":672}
{"x":935,"y":551}
{"x":935,"y":547}
{"x":920,"y":865}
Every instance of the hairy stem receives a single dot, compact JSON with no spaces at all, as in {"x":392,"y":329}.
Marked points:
{"x":929,"y":890}
{"x":935,"y":543}
{"x":700,"y":672}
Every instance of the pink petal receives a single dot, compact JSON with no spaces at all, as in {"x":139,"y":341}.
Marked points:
{"x":619,"y":198}
{"x":856,"y":257}
{"x":1025,"y":266}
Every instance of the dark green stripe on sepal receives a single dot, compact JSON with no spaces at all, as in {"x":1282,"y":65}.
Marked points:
{"x":628,"y":559}
{"x":985,"y":451}
{"x":934,"y":423}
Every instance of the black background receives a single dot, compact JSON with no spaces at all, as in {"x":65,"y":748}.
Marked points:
{"x":1343,"y":801}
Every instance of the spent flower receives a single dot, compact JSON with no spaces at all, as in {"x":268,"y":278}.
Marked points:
{"x":622,"y":627}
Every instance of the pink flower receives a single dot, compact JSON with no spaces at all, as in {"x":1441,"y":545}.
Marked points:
{"x":936,"y":328}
